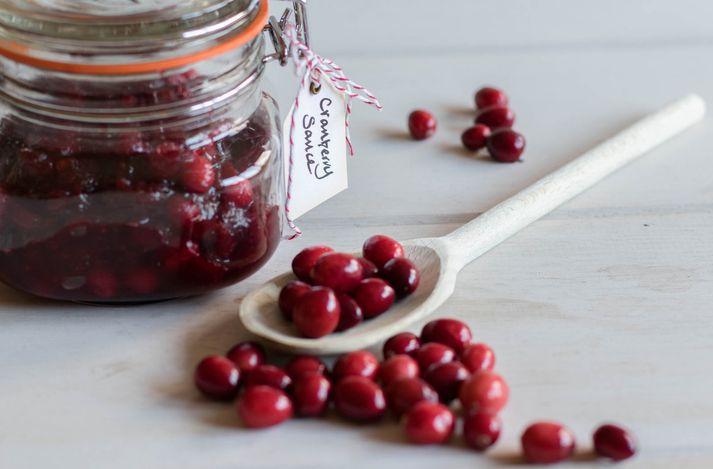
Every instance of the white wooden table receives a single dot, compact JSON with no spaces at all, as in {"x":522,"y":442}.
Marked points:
{"x":601,"y":311}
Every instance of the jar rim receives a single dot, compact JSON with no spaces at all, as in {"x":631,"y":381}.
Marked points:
{"x":223,"y":34}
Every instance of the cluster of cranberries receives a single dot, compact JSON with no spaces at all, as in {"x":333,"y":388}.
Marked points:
{"x":492,"y":129}
{"x":417,"y":380}
{"x":134,"y":216}
{"x":420,"y":380}
{"x":337,"y":291}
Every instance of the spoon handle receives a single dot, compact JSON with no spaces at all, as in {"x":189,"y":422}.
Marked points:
{"x":507,"y":218}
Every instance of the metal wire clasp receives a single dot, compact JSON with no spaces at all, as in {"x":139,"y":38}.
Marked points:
{"x":275,"y":29}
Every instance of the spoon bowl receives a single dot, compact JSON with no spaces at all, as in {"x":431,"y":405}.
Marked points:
{"x":260,"y":314}
{"x":440,"y":259}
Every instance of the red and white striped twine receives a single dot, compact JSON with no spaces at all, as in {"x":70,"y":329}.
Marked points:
{"x":311,"y":67}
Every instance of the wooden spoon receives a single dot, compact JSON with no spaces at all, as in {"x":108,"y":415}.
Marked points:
{"x":440,"y":259}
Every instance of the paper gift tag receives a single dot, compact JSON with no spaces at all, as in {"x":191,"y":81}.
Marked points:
{"x":316,"y":126}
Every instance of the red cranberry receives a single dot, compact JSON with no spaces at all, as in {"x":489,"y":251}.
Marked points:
{"x":478,"y":357}
{"x":217,"y":377}
{"x":547,"y":443}
{"x":485,"y":392}
{"x":421,"y":124}
{"x":310,"y":393}
{"x":496,"y":117}
{"x":402,"y":275}
{"x":481,"y":431}
{"x":429,"y":423}
{"x":374,"y":296}
{"x":475,"y":137}
{"x":396,"y":368}
{"x":338,"y":271}
{"x":405,"y":342}
{"x":303,"y":364}
{"x":451,"y":332}
{"x":406,"y":392}
{"x":264,"y":406}
{"x":489,"y":96}
{"x":103,"y":283}
{"x":197,"y":175}
{"x":143,"y":281}
{"x":359,"y":399}
{"x":289,"y":295}
{"x":614,"y":442}
{"x":240,"y":193}
{"x":165,"y":159}
{"x":268,"y":375}
{"x":447,"y":379}
{"x":432,"y":354}
{"x":380,"y":249}
{"x":358,"y":363}
{"x":247,"y":355}
{"x":351,"y":314}
{"x":304,"y":262}
{"x":316,"y":313}
{"x":506,"y":145}
{"x":368,"y":267}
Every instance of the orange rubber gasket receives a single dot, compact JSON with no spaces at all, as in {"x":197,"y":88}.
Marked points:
{"x":19,"y":53}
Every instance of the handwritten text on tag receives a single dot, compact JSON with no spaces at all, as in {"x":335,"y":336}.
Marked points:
{"x":319,"y":151}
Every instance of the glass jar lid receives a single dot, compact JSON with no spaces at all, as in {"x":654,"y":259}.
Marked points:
{"x":125,"y":36}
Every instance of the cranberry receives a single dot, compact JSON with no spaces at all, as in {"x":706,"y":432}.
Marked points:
{"x":489,"y":96}
{"x":316,"y":313}
{"x":475,"y":137}
{"x":496,"y":117}
{"x":396,"y":368}
{"x":485,"y":392}
{"x":103,"y":283}
{"x":303,"y":364}
{"x":304,"y":262}
{"x":481,"y":431}
{"x":358,"y":363}
{"x":451,"y":332}
{"x":447,"y":379}
{"x":405,"y":342}
{"x":402,"y":275}
{"x":432,"y":354}
{"x":338,"y":271}
{"x":240,"y":193}
{"x":380,"y":249}
{"x":421,"y":124}
{"x":217,"y":377}
{"x":264,"y":406}
{"x":360,"y":399}
{"x":247,"y":355}
{"x":289,"y":294}
{"x":506,"y":145}
{"x":547,"y":443}
{"x":268,"y":375}
{"x":478,"y":357}
{"x":429,"y":423}
{"x":614,"y":442}
{"x":310,"y":393}
{"x":368,"y":267}
{"x":197,"y":175}
{"x":374,"y":296}
{"x":351,"y":314}
{"x":406,"y":392}
{"x":165,"y":159}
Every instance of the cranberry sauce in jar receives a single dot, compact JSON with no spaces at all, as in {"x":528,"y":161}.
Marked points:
{"x":139,"y":170}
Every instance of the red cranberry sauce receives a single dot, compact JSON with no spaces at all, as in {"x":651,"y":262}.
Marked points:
{"x":133,"y":217}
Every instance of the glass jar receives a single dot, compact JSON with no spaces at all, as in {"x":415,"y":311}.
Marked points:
{"x":140,"y":158}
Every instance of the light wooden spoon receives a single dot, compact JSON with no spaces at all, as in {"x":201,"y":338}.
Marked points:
{"x":440,"y":259}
